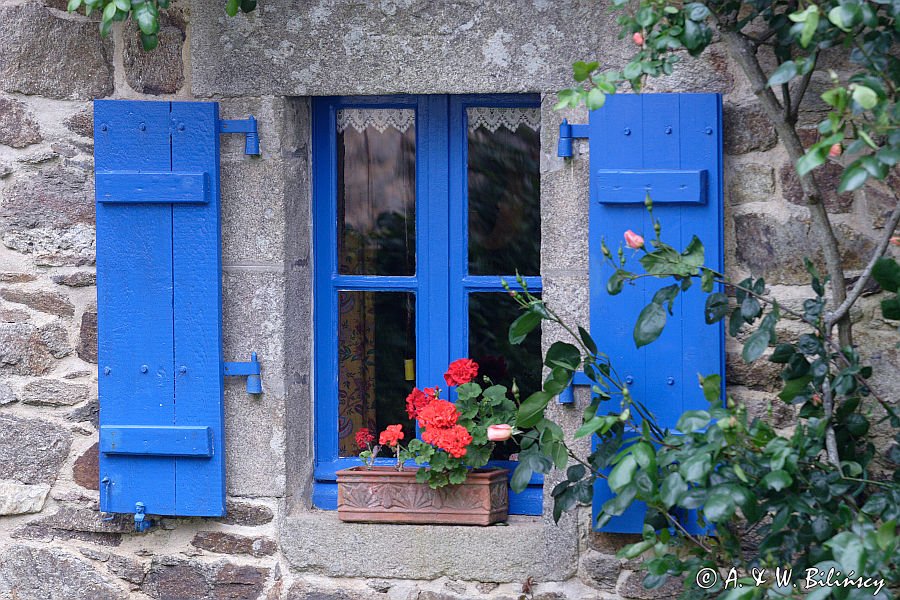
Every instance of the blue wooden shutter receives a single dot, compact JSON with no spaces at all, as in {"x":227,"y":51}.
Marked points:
{"x":159,"y":307}
{"x":671,"y":146}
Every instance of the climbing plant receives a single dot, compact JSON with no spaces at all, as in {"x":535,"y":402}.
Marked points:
{"x":823,"y":495}
{"x":145,"y":14}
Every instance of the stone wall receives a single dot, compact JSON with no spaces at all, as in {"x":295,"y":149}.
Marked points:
{"x":272,"y":545}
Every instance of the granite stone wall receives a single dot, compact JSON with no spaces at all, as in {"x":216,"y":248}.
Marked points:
{"x":273,"y":545}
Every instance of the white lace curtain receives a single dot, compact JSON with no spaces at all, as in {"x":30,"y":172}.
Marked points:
{"x":402,"y":119}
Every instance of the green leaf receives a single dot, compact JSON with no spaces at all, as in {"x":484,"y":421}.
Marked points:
{"x":595,"y":99}
{"x":632,"y":70}
{"x":672,"y":489}
{"x":73,"y":5}
{"x":784,"y":73}
{"x":719,"y":506}
{"x":756,"y":344}
{"x":523,"y":325}
{"x":694,"y":253}
{"x":562,"y":354}
{"x":147,"y":19}
{"x":692,"y":420}
{"x":149,"y":42}
{"x":696,"y":11}
{"x":532,"y":409}
{"x":842,"y":17}
{"x":853,"y":178}
{"x":794,"y":387}
{"x":634,"y":550}
{"x":887,"y":273}
{"x":248,"y":6}
{"x":707,"y":280}
{"x":809,"y":26}
{"x":231,"y":8}
{"x":520,"y":477}
{"x":750,"y":308}
{"x":123,"y":5}
{"x":890,"y":308}
{"x":616,"y":282}
{"x":696,"y":468}
{"x":712,"y":388}
{"x":590,"y":426}
{"x":582,"y":70}
{"x":650,"y":324}
{"x":865,"y":96}
{"x":812,"y":159}
{"x":587,"y":340}
{"x":716,"y":308}
{"x":109,"y":12}
{"x":848,"y":549}
{"x":777,"y":480}
{"x":622,"y":473}
{"x":885,"y":536}
{"x":644,"y":454}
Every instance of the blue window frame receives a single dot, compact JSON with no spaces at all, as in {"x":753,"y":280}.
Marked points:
{"x":441,"y":283}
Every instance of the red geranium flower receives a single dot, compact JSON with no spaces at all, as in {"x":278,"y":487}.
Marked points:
{"x":416,"y":401}
{"x":391,"y":436}
{"x":461,"y":371}
{"x":438,"y":414}
{"x":364,"y":437}
{"x":452,"y":439}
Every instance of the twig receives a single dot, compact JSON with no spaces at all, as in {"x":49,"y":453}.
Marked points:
{"x":801,"y":90}
{"x":841,"y":311}
{"x":830,"y":439}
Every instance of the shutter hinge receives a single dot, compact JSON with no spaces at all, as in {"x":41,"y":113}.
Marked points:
{"x":141,"y":522}
{"x":568,"y":132}
{"x":245,"y":126}
{"x":248,"y":369}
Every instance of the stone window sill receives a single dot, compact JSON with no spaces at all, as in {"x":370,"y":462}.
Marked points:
{"x":526,"y":547}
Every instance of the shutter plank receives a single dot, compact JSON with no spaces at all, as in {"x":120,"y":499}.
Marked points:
{"x":200,"y":482}
{"x":134,"y":305}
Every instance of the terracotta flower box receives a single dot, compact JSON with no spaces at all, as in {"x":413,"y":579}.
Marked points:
{"x":385,"y":495}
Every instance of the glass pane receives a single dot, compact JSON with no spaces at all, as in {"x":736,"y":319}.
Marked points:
{"x":376,"y":336}
{"x":376,"y":188}
{"x":504,"y":191}
{"x":490,"y":315}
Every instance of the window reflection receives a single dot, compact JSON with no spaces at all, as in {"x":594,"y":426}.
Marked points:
{"x":376,"y":186}
{"x":504,"y":191}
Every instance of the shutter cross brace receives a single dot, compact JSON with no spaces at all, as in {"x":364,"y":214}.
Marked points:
{"x":250,"y":370}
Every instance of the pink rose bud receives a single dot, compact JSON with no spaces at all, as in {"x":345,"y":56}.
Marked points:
{"x":835,"y":150}
{"x":499,"y":433}
{"x":633,"y":240}
{"x":895,"y":240}
{"x":638,"y":38}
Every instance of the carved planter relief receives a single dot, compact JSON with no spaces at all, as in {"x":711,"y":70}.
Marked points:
{"x":385,"y":495}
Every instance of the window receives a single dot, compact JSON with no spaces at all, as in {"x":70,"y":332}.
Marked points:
{"x":422,"y":204}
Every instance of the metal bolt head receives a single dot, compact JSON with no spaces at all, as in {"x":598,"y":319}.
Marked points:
{"x":104,"y":127}
{"x":627,"y":131}
{"x":107,"y":370}
{"x":142,"y":127}
{"x":629,"y":379}
{"x":708,"y":131}
{"x":668,"y":130}
{"x":181,"y":127}
{"x":670,"y":381}
{"x":182,"y":370}
{"x":144,"y":368}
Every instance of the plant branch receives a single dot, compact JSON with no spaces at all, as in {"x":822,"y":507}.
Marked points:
{"x":841,"y":311}
{"x":744,"y":52}
{"x":687,"y":534}
{"x":830,"y":439}
{"x":801,"y":89}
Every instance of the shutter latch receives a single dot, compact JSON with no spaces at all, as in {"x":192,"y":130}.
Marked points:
{"x":568,"y":132}
{"x":141,"y":522}
{"x":248,"y":369}
{"x":246,"y":126}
